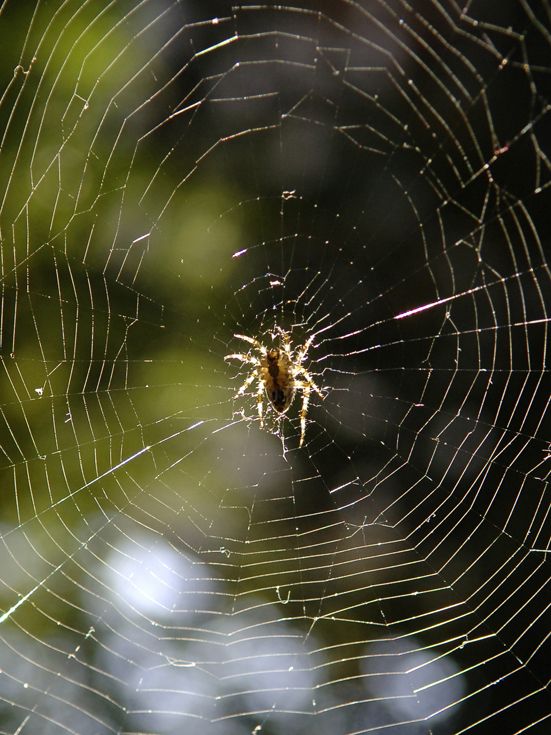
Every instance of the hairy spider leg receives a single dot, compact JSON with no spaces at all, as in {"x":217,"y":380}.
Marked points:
{"x":282,"y":333}
{"x":310,"y":381}
{"x":252,"y":361}
{"x":246,"y":384}
{"x":252,"y":341}
{"x":259,"y":403}
{"x":306,"y":387}
{"x":244,"y":358}
{"x":301,"y":351}
{"x":287,"y":348}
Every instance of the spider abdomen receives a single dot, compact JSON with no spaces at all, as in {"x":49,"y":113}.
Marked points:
{"x":279,"y":398}
{"x":278,"y":380}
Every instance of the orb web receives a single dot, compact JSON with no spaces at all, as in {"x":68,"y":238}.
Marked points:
{"x":370,"y":176}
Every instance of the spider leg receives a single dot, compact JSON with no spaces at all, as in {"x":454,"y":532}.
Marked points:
{"x":246,"y":384}
{"x":282,"y":333}
{"x":244,"y":358}
{"x":252,"y":341}
{"x":259,"y":402}
{"x":285,"y":339}
{"x":308,"y":381}
{"x":304,"y":411}
{"x":301,"y":351}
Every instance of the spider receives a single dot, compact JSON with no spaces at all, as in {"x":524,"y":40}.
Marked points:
{"x":277,"y":370}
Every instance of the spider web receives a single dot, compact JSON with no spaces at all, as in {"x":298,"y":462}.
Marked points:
{"x":372,"y":175}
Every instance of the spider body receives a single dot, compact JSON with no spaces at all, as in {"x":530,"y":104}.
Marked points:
{"x":278,"y":379}
{"x":279,"y":373}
